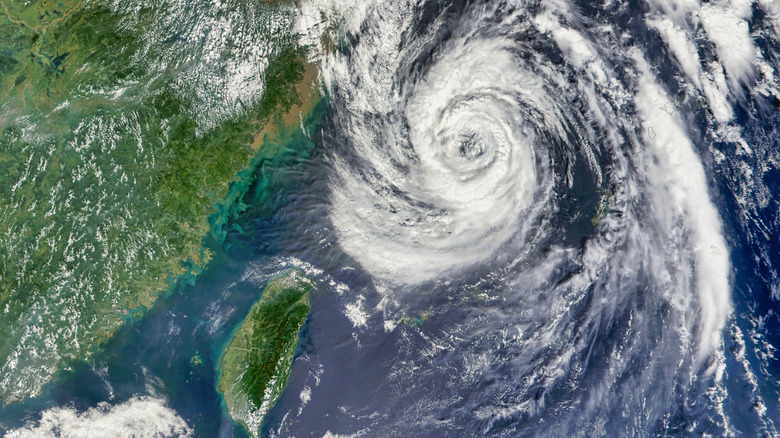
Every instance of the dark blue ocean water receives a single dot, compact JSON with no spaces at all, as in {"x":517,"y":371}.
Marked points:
{"x":385,"y":377}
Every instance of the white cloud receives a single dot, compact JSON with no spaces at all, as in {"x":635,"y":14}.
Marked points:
{"x":733,"y":43}
{"x":356,"y":312}
{"x":681,"y":46}
{"x":576,"y":48}
{"x":681,"y":191}
{"x":139,"y":417}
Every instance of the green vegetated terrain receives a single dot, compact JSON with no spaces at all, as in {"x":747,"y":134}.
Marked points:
{"x":417,"y":321}
{"x":607,"y":199}
{"x":123,"y":128}
{"x":257,"y":361}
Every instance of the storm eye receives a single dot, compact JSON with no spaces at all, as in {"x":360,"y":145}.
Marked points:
{"x":470,"y":146}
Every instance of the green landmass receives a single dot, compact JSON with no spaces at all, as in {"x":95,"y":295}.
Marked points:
{"x":416,"y":321}
{"x":602,"y":209}
{"x":255,"y":365}
{"x":122,"y":144}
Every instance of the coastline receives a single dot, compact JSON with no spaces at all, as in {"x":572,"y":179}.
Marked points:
{"x":192,"y":186}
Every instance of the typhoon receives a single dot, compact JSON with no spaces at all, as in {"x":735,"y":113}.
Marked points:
{"x":566,"y":160}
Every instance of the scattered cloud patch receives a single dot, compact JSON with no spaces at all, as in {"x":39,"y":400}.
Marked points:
{"x":139,"y":417}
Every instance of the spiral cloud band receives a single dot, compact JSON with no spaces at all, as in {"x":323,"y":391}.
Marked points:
{"x":521,"y":148}
{"x":467,"y":175}
{"x":465,"y":160}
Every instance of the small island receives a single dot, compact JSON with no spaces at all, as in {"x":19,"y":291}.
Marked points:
{"x":257,"y":361}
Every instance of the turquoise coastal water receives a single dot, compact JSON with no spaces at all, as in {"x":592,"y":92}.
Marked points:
{"x":172,"y":349}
